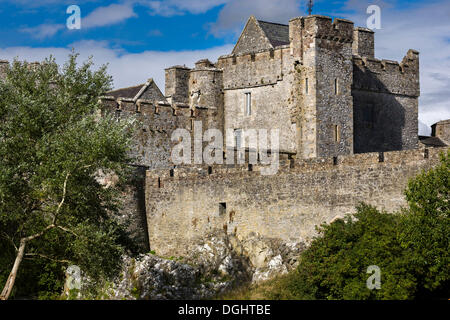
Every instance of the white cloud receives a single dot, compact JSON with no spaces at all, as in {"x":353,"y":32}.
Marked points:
{"x":100,"y":17}
{"x":236,"y":12}
{"x":127,"y":69}
{"x":426,"y":28}
{"x":168,"y":8}
{"x":43,"y":31}
{"x":105,"y":16}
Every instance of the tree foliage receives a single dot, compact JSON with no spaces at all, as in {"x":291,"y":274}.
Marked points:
{"x":53,"y":145}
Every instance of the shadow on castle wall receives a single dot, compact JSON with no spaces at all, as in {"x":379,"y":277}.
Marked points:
{"x":379,"y":116}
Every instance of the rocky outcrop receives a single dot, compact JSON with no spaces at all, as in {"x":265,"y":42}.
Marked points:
{"x":216,"y":264}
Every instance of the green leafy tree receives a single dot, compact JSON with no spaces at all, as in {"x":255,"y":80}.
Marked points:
{"x":335,"y":265}
{"x":54,"y":146}
{"x":425,"y":231}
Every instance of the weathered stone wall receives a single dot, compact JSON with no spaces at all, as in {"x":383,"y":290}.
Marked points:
{"x":442,"y":131}
{"x":152,"y":145}
{"x":287,"y":206}
{"x":385,"y":103}
{"x":132,"y":214}
{"x":325,"y":103}
{"x":364,"y":42}
{"x":177,"y":84}
{"x":152,"y":93}
{"x":268,"y":76}
{"x":205,"y":95}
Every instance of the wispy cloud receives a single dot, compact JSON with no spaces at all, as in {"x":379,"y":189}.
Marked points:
{"x":155,"y":33}
{"x":109,"y":15}
{"x":168,"y":8}
{"x":100,"y":17}
{"x":236,"y":12}
{"x":43,"y":31}
{"x":126,"y":68}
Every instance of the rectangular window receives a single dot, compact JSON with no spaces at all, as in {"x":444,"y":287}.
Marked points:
{"x":222,"y":208}
{"x":337,"y":133}
{"x":336,"y":86}
{"x":306,"y":85}
{"x":248,"y":103}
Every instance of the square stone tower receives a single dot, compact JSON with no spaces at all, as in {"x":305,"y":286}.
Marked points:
{"x":323,"y":53}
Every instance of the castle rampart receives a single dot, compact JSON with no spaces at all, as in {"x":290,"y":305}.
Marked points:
{"x":363,"y":42}
{"x":286,"y":206}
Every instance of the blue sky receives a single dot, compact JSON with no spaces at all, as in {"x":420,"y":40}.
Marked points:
{"x":139,"y":38}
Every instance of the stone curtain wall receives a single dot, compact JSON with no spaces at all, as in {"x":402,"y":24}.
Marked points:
{"x":187,"y":204}
{"x":152,"y":145}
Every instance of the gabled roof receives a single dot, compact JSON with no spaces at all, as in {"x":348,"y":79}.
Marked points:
{"x":260,"y":35}
{"x":129,"y":92}
{"x":278,"y":34}
{"x":148,"y":91}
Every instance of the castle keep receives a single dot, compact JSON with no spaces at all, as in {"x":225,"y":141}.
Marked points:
{"x":316,"y":80}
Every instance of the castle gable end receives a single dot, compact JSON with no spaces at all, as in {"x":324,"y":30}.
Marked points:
{"x":252,"y":39}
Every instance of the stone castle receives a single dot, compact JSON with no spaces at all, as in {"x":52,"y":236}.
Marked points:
{"x":348,"y":126}
{"x":316,"y":80}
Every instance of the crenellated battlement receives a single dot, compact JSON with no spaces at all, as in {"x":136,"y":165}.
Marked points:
{"x":363,"y":42}
{"x":387,"y":76}
{"x":370,"y":161}
{"x":322,"y":27}
{"x":262,"y":68}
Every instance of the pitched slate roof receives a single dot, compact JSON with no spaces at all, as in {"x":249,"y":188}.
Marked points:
{"x":431,"y":141}
{"x":148,"y":91}
{"x":278,"y":34}
{"x":129,"y":92}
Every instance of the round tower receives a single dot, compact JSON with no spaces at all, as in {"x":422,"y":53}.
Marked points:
{"x":205,"y":94}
